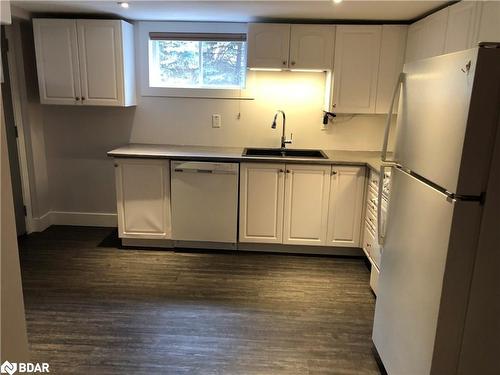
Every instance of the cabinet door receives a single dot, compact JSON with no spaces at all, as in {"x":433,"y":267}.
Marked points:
{"x":461,"y":26}
{"x":488,"y":25}
{"x":357,"y":54}
{"x":434,"y":34}
{"x":392,"y":52}
{"x":101,"y":61}
{"x":414,"y":41}
{"x":57,"y":61}
{"x":426,"y":38}
{"x":143,"y":198}
{"x":306,"y":204}
{"x":262,"y":189}
{"x":311,"y":46}
{"x":346,"y":206}
{"x":268,"y":45}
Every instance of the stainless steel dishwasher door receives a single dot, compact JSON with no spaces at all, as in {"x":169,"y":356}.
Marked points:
{"x":204,"y":198}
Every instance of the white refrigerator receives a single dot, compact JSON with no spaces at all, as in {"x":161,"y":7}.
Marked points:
{"x":447,"y":126}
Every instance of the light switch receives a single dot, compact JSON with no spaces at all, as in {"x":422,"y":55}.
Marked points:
{"x":216,"y":121}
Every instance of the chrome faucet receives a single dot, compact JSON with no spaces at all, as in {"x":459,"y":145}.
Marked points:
{"x":284,"y":141}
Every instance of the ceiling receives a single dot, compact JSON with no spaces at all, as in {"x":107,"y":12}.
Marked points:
{"x":240,"y":11}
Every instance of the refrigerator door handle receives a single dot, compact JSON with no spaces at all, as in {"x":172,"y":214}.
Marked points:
{"x":389,"y":116}
{"x":380,"y":235}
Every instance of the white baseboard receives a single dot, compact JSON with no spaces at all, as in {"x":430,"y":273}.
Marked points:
{"x":87,"y":219}
{"x":41,"y":223}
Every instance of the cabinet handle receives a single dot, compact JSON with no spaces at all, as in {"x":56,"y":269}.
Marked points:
{"x":334,"y":173}
{"x":83,"y":98}
{"x":281,"y":171}
{"x":77,"y":98}
{"x":288,"y":171}
{"x":284,"y":62}
{"x":293,"y":62}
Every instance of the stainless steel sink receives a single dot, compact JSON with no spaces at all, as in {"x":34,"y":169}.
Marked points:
{"x":284,"y":153}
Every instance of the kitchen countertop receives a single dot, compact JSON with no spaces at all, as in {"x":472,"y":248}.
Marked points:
{"x":158,"y":151}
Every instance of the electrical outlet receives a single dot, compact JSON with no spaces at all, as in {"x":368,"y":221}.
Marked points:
{"x":216,"y":121}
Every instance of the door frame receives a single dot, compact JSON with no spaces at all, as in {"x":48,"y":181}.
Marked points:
{"x":18,"y":120}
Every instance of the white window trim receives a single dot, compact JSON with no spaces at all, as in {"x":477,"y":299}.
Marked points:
{"x":145,"y":27}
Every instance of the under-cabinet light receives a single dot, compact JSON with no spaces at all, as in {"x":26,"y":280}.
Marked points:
{"x":266,"y":69}
{"x":307,"y":70}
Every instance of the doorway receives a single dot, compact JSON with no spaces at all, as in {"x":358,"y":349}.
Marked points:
{"x":12,"y":135}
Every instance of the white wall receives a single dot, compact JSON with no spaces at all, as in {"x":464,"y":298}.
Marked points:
{"x":22,"y":60}
{"x":81,"y":176}
{"x":13,"y":338}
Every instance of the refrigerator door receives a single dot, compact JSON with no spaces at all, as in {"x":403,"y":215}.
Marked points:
{"x":415,"y":256}
{"x":433,"y":116}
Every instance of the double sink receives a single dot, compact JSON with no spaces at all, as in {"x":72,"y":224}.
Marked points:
{"x":284,"y":153}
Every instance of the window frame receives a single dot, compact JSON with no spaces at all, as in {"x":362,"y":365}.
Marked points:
{"x":147,"y":27}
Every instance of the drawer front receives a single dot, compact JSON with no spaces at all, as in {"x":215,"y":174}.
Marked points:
{"x":371,"y":201}
{"x":372,"y":194}
{"x":368,"y":239}
{"x":370,"y":244}
{"x":374,"y":279}
{"x":373,"y":181}
{"x":376,"y":252}
{"x":371,"y":218}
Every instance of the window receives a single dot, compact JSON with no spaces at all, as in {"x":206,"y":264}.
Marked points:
{"x":197,"y":60}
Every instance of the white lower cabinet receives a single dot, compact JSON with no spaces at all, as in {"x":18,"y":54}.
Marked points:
{"x":262,"y":189}
{"x":374,"y":274}
{"x":143,"y":198}
{"x":301,"y":204}
{"x":345,"y":206}
{"x":306,"y":204}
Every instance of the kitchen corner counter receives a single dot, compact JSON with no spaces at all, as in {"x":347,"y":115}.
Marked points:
{"x":158,"y":151}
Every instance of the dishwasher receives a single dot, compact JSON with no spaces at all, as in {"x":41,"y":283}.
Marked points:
{"x":204,"y":201}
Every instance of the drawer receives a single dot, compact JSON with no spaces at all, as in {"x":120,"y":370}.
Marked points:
{"x":374,"y":279}
{"x":368,"y":239}
{"x":371,"y":201}
{"x":376,"y":252}
{"x":370,"y":244}
{"x":371,"y":218}
{"x":373,"y":180}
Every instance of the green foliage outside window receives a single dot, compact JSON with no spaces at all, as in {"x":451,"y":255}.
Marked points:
{"x":203,"y":64}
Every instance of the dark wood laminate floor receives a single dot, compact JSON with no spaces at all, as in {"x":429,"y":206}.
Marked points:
{"x":94,"y":308}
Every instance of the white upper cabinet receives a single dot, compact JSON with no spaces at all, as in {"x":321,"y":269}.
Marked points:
{"x":100,"y":52}
{"x":311,"y":47}
{"x":460,"y":33}
{"x":143,"y":198}
{"x":306,"y":204}
{"x":85,"y":62}
{"x":356,"y":65}
{"x":458,"y":27}
{"x":392,"y":53}
{"x":426,"y":38}
{"x":262,"y":188}
{"x":488,"y":29}
{"x":57,"y":61}
{"x":434,"y":33}
{"x":345,"y":206}
{"x":268,"y":45}
{"x":284,"y":46}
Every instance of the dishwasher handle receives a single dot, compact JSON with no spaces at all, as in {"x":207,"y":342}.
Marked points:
{"x":203,"y":167}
